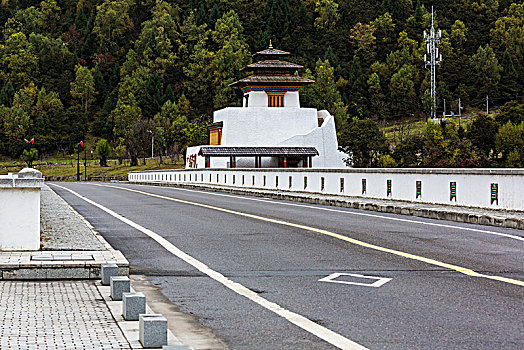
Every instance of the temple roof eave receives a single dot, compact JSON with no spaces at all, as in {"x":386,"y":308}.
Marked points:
{"x":271,"y":52}
{"x":272,"y":64}
{"x":273,"y":80}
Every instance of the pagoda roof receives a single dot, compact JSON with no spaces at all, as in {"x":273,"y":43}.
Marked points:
{"x":272,"y":64}
{"x":271,"y":52}
{"x":288,"y":80}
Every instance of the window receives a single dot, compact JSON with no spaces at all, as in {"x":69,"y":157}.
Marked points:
{"x":275,"y":100}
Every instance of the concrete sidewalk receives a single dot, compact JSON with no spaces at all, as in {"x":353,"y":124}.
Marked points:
{"x":53,"y":299}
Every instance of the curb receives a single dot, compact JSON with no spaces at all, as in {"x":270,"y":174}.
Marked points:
{"x":393,"y":208}
{"x":57,"y":265}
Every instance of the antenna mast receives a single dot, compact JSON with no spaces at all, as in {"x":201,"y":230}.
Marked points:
{"x":432,"y":39}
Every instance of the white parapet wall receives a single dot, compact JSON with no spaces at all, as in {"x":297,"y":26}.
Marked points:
{"x":20,"y":210}
{"x":478,"y":188}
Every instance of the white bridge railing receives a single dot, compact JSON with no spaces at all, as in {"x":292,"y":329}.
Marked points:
{"x":481,"y":188}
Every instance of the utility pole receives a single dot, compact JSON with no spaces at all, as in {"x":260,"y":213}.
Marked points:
{"x":29,"y":143}
{"x":152,"y":143}
{"x":460,"y":114}
{"x":487,"y":105}
{"x":432,"y":39}
{"x":78,"y":163}
{"x":85,"y":164}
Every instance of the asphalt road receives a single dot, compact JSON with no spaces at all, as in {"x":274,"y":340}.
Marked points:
{"x":446,"y":285}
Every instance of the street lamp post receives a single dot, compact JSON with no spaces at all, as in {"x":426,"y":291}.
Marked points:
{"x":85,"y":164}
{"x":152,"y":143}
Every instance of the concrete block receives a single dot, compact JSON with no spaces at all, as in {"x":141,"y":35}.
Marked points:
{"x":133,"y":305}
{"x":118,"y":286}
{"x":123,"y":270}
{"x":67,"y":273}
{"x":108,"y":270}
{"x":462,"y":217}
{"x":177,"y":347}
{"x":94,"y":272}
{"x":473,"y":218}
{"x":152,"y":329}
{"x":498,"y":221}
{"x":485,"y":220}
{"x":521,"y":224}
{"x":511,"y":223}
{"x":31,"y":274}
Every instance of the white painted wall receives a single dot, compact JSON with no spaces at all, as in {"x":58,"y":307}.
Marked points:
{"x":264,"y":126}
{"x":274,"y":126}
{"x":259,"y":99}
{"x":20,"y":210}
{"x":291,"y":99}
{"x":324,"y":139}
{"x":473,"y":185}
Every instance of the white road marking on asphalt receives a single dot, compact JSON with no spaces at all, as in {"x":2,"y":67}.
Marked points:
{"x":507,"y":235}
{"x":298,"y":320}
{"x":379,"y":281}
{"x":460,"y":269}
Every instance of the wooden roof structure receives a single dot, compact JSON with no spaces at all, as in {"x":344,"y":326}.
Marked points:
{"x":271,"y":71}
{"x":227,"y":151}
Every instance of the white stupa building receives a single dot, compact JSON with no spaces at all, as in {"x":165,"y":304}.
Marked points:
{"x":270,"y":130}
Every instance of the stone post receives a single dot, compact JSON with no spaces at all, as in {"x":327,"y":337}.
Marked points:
{"x":20,"y":210}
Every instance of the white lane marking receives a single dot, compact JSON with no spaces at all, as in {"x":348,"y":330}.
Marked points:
{"x":298,"y":320}
{"x":506,"y":235}
{"x":379,"y":281}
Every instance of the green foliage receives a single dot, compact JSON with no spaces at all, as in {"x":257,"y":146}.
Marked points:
{"x":409,"y":152}
{"x":83,"y":88}
{"x":25,"y":156}
{"x":510,"y":142}
{"x":363,"y":142}
{"x":6,"y":94}
{"x":328,"y":15}
{"x":277,"y":16}
{"x":387,"y":161}
{"x":323,"y":94}
{"x":112,"y":24}
{"x":103,"y":151}
{"x":18,"y":63}
{"x":487,"y":69}
{"x":482,"y":132}
{"x":107,"y":68}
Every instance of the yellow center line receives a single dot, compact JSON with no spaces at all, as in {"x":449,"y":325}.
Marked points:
{"x":429,"y":261}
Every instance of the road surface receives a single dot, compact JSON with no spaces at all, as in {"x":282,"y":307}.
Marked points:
{"x":267,"y":274}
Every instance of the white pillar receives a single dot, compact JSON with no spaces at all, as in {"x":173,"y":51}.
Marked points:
{"x":20,"y":210}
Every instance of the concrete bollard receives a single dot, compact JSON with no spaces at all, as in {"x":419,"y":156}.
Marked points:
{"x":152,"y":330}
{"x":119,"y":285}
{"x":108,"y":270}
{"x":133,"y":305}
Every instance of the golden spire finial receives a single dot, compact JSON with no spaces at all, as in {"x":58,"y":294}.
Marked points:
{"x":270,"y":45}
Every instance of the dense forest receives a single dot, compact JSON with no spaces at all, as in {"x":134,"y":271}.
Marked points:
{"x":127,"y":71}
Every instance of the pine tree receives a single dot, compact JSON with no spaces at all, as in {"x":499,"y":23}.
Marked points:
{"x":278,"y":18}
{"x":331,"y":57}
{"x":357,"y":86}
{"x":214,"y":15}
{"x":262,"y":41}
{"x":418,"y":13}
{"x":6,"y":94}
{"x":509,"y":87}
{"x":201,"y":17}
{"x":169,"y":94}
{"x":153,"y":97}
